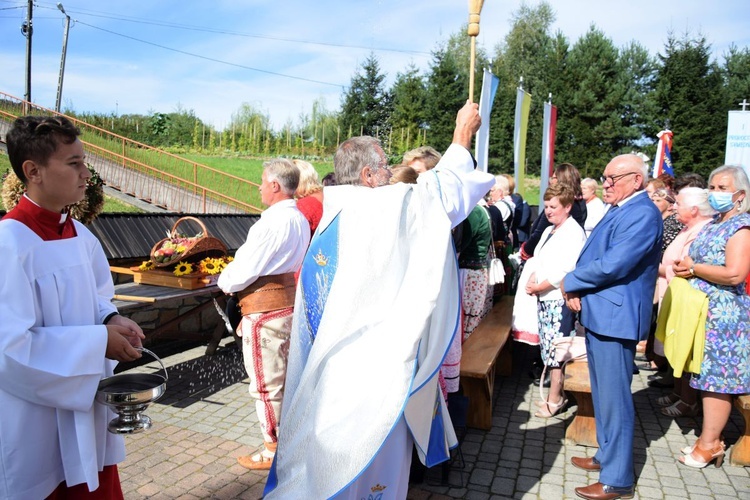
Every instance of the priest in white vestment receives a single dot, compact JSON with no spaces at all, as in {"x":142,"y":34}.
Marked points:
{"x":377,"y":307}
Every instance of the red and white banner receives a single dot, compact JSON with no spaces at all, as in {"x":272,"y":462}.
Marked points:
{"x":663,"y":159}
{"x":548,"y":148}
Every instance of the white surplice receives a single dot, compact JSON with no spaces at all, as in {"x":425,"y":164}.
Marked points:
{"x":54,"y":296}
{"x":367,"y":385}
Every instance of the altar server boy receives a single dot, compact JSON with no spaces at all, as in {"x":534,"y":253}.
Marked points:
{"x":59,"y":332}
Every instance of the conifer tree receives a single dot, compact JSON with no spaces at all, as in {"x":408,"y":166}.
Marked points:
{"x":447,"y":91}
{"x":691,"y":101}
{"x":366,"y":105}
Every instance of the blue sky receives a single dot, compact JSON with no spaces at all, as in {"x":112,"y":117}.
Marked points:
{"x":317,"y":45}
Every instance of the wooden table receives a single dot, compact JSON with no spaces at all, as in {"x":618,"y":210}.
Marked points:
{"x":129,"y":296}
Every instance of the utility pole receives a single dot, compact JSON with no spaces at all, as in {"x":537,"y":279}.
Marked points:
{"x":27,"y":30}
{"x":62,"y":60}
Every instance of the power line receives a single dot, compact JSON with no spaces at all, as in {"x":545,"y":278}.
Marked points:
{"x":210,"y":58}
{"x":205,"y":29}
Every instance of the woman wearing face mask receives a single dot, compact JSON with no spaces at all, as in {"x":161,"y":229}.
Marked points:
{"x":717,"y":265}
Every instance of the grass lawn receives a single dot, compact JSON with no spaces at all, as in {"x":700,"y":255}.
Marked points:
{"x":113,"y":205}
{"x":246,"y":168}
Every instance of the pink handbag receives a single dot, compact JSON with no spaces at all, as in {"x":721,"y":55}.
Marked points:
{"x":565,"y":350}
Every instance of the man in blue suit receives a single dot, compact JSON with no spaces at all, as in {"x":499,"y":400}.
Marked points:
{"x":613,"y":288}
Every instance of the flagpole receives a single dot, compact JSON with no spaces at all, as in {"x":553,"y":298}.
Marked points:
{"x":475,"y":8}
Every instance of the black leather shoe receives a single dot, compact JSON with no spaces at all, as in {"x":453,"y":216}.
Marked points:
{"x":599,"y":491}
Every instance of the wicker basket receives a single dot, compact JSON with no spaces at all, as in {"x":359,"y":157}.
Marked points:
{"x":206,"y":246}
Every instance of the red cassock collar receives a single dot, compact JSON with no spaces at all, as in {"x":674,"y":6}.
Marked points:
{"x":45,"y":223}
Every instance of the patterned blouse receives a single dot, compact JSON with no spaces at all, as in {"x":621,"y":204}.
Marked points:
{"x":671,"y":228}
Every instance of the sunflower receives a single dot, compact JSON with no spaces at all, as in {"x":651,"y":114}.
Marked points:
{"x":146,"y":265}
{"x":210,"y":266}
{"x":228,"y":259}
{"x":183,"y":268}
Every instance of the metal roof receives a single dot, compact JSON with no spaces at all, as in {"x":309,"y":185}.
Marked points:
{"x":131,"y":236}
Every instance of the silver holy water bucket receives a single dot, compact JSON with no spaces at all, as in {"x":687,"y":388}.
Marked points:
{"x":129,"y":394}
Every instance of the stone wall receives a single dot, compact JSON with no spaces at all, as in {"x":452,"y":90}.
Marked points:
{"x":151,"y":316}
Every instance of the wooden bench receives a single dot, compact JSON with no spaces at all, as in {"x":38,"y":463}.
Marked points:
{"x":582,"y":430}
{"x":740,"y":453}
{"x":479,"y":357}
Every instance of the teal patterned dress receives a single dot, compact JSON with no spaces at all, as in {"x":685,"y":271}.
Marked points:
{"x":726,"y":360}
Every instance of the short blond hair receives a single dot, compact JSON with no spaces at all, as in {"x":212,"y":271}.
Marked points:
{"x":308,"y":179}
{"x":429,"y":156}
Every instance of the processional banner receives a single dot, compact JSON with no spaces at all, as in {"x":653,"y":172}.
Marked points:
{"x":663,"y":159}
{"x":489,"y":87}
{"x":548,"y":148}
{"x":738,"y":140}
{"x":523,"y":104}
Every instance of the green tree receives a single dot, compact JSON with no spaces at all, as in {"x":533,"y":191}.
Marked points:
{"x":691,"y":102}
{"x":366,"y":105}
{"x":736,"y":71}
{"x":248,"y":120}
{"x":527,"y":52}
{"x":446,"y":93}
{"x":408,"y":117}
{"x":459,"y":47}
{"x":638,"y":78}
{"x":593,"y":111}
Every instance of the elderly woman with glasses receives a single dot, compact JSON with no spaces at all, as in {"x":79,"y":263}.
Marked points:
{"x":718,"y":266}
{"x":661,"y":194}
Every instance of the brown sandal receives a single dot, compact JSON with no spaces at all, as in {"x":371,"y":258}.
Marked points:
{"x":701,"y":457}
{"x":261,"y":460}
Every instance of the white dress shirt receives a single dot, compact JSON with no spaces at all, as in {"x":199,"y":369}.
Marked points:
{"x":276,"y":244}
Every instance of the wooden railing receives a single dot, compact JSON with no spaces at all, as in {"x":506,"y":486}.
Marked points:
{"x":150,"y":174}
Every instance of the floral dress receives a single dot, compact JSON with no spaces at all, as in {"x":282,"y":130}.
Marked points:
{"x":726,"y":360}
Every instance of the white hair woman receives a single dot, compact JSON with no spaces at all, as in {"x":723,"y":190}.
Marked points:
{"x":694,"y":212}
{"x":718,"y":266}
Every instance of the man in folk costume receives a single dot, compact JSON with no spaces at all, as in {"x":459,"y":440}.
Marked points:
{"x":376,"y":310}
{"x":262,"y":277}
{"x":59,"y":334}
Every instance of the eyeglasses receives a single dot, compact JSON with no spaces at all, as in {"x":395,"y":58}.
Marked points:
{"x":614,"y":178}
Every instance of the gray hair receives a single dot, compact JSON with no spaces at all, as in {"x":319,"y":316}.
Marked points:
{"x":645,"y":171}
{"x":501,"y":183}
{"x":588,"y":181}
{"x":284,"y":172}
{"x":355,"y":154}
{"x":696,"y":197}
{"x":741,"y":182}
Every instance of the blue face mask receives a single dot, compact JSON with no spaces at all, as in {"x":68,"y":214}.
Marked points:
{"x":720,"y":201}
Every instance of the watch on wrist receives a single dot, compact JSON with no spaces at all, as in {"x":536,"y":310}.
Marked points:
{"x":692,"y":270}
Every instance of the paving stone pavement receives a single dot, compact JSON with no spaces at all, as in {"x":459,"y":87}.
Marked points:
{"x":206,"y":420}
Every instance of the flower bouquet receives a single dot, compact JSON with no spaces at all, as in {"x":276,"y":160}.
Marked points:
{"x":208,"y":266}
{"x":178,"y":248}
